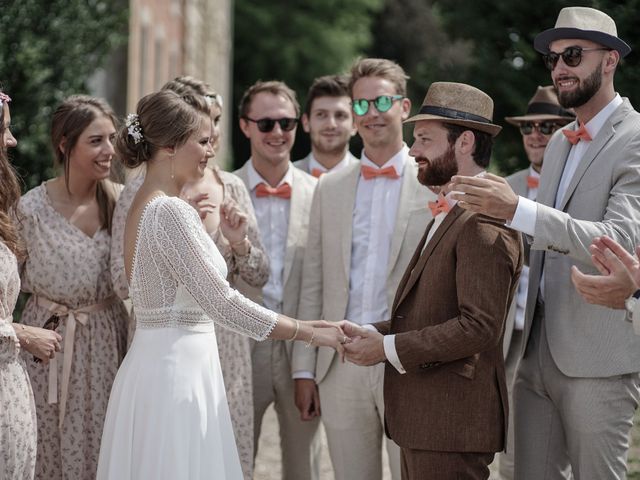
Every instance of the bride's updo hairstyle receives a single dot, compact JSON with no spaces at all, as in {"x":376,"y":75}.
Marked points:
{"x":162,"y":119}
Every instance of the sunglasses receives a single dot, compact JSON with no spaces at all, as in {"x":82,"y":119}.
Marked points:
{"x":545,"y":128}
{"x":265,"y":125}
{"x":571,"y":56}
{"x":382,"y":103}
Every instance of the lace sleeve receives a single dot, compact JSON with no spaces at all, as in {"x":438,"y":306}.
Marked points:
{"x":186,"y":248}
{"x":252,"y":268}
{"x":118,"y":273}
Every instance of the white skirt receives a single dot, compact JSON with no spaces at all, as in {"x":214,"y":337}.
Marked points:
{"x":168,"y":416}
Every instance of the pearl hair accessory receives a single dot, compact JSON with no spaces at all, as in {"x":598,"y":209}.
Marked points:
{"x":133,"y":128}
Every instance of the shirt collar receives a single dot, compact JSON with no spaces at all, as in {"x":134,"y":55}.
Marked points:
{"x":397,"y":161}
{"x":256,"y":179}
{"x":533,"y":173}
{"x":594,"y":125}
{"x":315,"y":164}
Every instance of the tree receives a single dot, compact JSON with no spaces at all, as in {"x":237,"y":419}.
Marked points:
{"x":48,"y":50}
{"x":295,"y":42}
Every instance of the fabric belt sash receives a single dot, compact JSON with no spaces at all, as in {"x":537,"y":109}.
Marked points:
{"x":80,"y":314}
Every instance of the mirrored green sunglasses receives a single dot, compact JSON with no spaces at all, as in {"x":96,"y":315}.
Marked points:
{"x":382,"y":103}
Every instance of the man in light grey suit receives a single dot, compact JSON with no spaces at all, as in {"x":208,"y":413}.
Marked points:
{"x":576,"y":387}
{"x":366,"y":221}
{"x":281,"y":196}
{"x":544,"y":116}
{"x":328,"y":120}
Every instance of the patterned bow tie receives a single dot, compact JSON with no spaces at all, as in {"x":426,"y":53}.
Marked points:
{"x":316,"y":172}
{"x":532,"y":182}
{"x":574,"y":136}
{"x":282,"y":191}
{"x":439,"y":206}
{"x":369,"y":172}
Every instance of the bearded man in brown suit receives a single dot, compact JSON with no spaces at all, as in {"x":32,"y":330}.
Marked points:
{"x":445,"y":393}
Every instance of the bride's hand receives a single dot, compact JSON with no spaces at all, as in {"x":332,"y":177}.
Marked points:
{"x":329,"y":334}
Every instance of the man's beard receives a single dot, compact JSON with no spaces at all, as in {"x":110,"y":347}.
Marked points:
{"x":439,"y":170}
{"x":585,"y":91}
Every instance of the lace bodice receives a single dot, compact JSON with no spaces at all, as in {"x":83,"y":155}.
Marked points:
{"x":178,"y":276}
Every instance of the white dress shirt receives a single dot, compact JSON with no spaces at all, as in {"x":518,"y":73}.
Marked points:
{"x":524,"y":219}
{"x":315,"y":164}
{"x":272,"y":214}
{"x":374,"y":218}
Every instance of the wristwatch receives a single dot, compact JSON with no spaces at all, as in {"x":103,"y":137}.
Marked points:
{"x":632,"y":304}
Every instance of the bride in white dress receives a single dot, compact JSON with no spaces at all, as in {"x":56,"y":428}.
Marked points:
{"x":168,"y":416}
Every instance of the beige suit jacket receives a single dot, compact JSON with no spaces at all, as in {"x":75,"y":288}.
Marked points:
{"x":327,"y":263}
{"x":302,"y":189}
{"x":603,"y":198}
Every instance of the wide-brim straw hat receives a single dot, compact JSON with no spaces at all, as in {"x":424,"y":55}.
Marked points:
{"x":458,"y":104}
{"x":584,"y":23}
{"x":544,"y":106}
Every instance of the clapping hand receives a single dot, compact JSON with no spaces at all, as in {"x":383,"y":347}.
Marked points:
{"x":201,"y":204}
{"x":233,"y":222}
{"x":366,"y":347}
{"x":620,"y":274}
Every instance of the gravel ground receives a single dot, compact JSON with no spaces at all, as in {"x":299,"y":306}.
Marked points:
{"x":268,"y":459}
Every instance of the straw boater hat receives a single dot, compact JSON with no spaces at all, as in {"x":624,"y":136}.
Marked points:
{"x":544,"y":106}
{"x":585,"y":23}
{"x":458,"y":104}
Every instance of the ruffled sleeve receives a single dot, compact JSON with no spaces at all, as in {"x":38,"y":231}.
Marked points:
{"x":186,"y":248}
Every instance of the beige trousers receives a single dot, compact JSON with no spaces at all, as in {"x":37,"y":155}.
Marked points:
{"x":351,"y":398}
{"x":272,"y":383}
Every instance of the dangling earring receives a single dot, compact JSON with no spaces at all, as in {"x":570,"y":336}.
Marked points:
{"x":172,"y":177}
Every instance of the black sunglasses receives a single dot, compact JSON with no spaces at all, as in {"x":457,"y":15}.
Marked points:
{"x":265,"y":125}
{"x":571,"y":56}
{"x":545,"y":128}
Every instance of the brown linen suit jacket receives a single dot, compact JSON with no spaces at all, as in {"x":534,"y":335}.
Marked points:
{"x":448,"y":317}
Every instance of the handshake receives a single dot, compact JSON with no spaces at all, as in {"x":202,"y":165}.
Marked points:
{"x":360,"y":345}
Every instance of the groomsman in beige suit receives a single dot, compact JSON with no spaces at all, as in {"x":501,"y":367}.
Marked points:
{"x":366,"y":221}
{"x":328,"y":120}
{"x":577,"y":386}
{"x":543,"y":117}
{"x":281,"y":196}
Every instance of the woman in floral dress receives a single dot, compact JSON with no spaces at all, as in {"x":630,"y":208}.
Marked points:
{"x":17,"y":410}
{"x":66,"y":226}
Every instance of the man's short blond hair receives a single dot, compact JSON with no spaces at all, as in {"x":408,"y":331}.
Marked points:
{"x":379,"y":67}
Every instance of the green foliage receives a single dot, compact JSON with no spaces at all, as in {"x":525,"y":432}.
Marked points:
{"x":48,"y":50}
{"x":295,"y":42}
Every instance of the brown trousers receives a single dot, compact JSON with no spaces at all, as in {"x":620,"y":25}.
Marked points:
{"x":428,"y":465}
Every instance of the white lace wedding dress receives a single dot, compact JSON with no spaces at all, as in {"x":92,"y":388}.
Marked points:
{"x":168,"y":416}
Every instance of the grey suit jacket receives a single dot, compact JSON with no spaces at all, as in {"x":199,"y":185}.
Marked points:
{"x":327,"y":263}
{"x":602,"y":198}
{"x":303,"y":164}
{"x":517,"y":181}
{"x":302,"y":189}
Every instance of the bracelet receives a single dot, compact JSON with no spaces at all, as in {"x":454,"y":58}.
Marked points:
{"x":295,"y":334}
{"x":239,"y":243}
{"x":313,"y":335}
{"x":244,"y":239}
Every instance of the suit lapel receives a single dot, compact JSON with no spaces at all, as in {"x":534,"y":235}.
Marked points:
{"x":598,"y":143}
{"x":444,"y":227}
{"x":407,"y":195}
{"x":555,"y":160}
{"x":344,"y":215}
{"x":296,"y":213}
{"x":410,"y":267}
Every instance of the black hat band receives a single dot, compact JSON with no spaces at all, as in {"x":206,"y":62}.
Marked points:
{"x":547,"y":109}
{"x":452,"y":114}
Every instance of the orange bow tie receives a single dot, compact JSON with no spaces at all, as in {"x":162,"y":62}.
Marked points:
{"x":574,"y":136}
{"x":282,"y":191}
{"x":316,"y":172}
{"x":533,"y":182}
{"x":439,"y":206}
{"x":369,"y":172}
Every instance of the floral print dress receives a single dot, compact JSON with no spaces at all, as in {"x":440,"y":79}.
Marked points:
{"x":17,"y":410}
{"x":67,"y":273}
